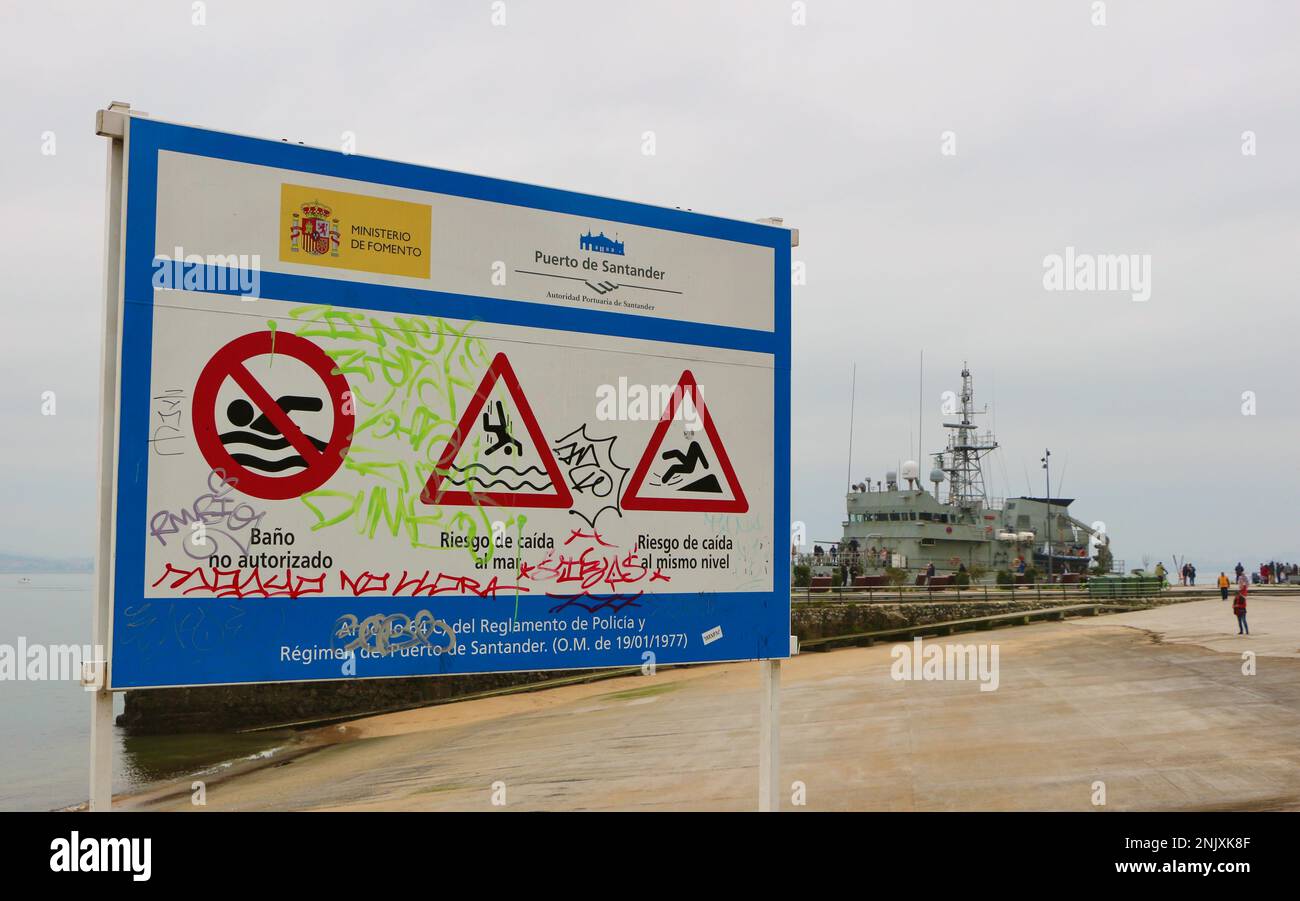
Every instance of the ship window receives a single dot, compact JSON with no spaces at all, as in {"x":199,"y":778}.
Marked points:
{"x":893,"y":517}
{"x":1022,"y":521}
{"x":927,"y":542}
{"x":927,"y":517}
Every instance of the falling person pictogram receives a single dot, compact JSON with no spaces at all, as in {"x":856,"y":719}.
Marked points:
{"x":501,"y":434}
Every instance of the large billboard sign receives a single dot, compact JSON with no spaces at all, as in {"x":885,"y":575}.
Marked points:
{"x":377,"y":419}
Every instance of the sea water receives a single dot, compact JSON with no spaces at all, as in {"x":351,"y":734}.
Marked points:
{"x":45,"y":725}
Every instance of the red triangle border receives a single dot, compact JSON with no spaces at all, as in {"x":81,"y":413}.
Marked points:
{"x":630,"y":500}
{"x":499,"y":369}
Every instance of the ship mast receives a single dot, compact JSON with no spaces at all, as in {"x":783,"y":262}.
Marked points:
{"x":966,"y":448}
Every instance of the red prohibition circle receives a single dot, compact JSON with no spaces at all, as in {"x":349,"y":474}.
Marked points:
{"x":228,"y":362}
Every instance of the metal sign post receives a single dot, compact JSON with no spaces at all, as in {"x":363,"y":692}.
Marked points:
{"x":769,"y":714}
{"x":769,"y":737}
{"x":111,"y":124}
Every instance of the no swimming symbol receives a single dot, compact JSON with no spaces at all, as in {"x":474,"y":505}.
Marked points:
{"x":316,"y":461}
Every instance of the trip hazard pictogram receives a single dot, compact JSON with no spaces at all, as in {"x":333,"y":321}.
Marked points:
{"x":684,"y":480}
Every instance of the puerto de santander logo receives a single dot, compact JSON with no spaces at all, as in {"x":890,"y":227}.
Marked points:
{"x":600,"y":243}
{"x":314,"y":231}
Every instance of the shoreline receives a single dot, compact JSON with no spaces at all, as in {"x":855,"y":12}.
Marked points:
{"x":317,"y":736}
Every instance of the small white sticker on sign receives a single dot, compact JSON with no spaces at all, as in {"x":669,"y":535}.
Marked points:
{"x":712,"y":635}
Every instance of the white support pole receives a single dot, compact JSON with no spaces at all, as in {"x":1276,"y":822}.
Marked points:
{"x":110,"y":123}
{"x":101,"y":751}
{"x":769,"y":737}
{"x":769,"y":717}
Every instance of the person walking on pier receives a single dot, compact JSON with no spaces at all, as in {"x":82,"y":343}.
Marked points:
{"x":1223,"y":584}
{"x":1239,"y":608}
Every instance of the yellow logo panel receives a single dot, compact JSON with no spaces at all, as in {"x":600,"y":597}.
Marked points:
{"x":354,"y":231}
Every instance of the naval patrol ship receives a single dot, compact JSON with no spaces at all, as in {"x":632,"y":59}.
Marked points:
{"x":955,"y":525}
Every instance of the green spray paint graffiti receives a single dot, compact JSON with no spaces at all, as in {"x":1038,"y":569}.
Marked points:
{"x":404,"y":373}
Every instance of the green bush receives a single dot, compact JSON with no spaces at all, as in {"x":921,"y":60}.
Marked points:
{"x":802,"y":575}
{"x":895,"y":576}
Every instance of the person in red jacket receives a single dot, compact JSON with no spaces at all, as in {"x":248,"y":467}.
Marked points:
{"x":1239,"y":608}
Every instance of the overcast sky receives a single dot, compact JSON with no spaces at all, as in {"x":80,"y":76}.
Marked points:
{"x":1124,"y":138}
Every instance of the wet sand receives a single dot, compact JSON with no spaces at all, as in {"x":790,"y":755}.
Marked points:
{"x":1153,"y":703}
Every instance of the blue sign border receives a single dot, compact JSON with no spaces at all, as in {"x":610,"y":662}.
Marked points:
{"x":164,"y":642}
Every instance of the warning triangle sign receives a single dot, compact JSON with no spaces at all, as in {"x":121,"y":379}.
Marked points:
{"x":498,"y":455}
{"x":683,"y":470}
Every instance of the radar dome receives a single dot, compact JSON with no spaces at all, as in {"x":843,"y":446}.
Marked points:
{"x":910,"y":470}
{"x":936,"y":475}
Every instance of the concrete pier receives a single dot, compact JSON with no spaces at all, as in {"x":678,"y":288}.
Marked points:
{"x":1154,"y":709}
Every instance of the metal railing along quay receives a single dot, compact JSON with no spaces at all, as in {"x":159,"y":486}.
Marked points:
{"x":982,"y":592}
{"x":1095,"y":589}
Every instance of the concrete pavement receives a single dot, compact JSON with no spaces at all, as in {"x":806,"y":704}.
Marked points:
{"x":1154,"y":704}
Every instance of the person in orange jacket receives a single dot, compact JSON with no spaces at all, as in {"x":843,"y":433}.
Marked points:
{"x":1239,"y":608}
{"x":1223,"y":585}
